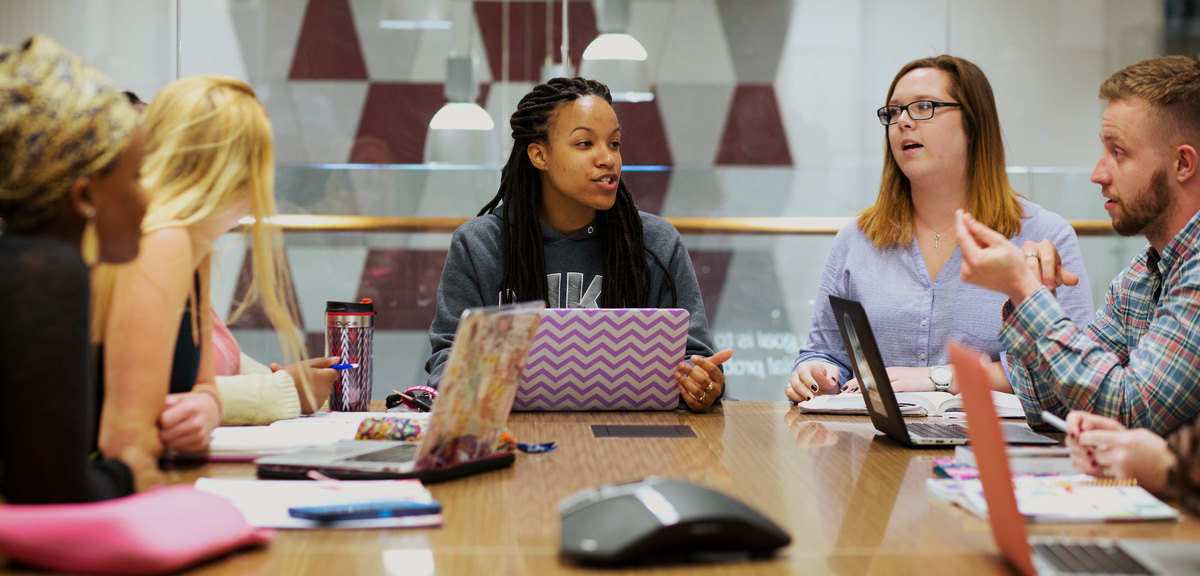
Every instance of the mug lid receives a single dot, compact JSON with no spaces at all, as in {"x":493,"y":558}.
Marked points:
{"x":364,"y":307}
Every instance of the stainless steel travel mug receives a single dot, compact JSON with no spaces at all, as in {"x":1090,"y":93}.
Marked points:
{"x":350,"y":335}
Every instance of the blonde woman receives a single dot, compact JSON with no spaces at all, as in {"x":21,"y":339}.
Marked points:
{"x":209,"y":162}
{"x":942,"y":152}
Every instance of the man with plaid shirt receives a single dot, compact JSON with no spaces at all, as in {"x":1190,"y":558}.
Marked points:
{"x":1139,"y":360}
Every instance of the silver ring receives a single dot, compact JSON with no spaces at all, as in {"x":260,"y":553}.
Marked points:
{"x":1032,"y":254}
{"x":708,"y":388}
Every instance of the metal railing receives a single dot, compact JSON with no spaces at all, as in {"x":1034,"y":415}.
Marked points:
{"x":814,"y":226}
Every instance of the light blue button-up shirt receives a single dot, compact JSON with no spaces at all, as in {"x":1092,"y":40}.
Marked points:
{"x":914,"y":317}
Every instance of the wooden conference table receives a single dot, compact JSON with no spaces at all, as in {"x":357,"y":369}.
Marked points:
{"x":853,"y":501}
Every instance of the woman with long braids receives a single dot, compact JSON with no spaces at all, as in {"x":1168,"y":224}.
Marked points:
{"x":563,"y":228}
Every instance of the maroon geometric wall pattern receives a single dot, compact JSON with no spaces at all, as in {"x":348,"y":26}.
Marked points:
{"x":403,"y":284}
{"x":643,"y":138}
{"x":254,"y":317}
{"x":328,"y":46}
{"x":753,"y":132}
{"x":527,"y":35}
{"x":712,"y":267}
{"x":395,"y":121}
{"x":649,"y":189}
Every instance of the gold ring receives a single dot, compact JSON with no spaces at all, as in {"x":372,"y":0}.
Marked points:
{"x":702,"y":397}
{"x":1032,"y":254}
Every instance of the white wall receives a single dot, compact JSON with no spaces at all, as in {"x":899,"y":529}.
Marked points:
{"x":132,"y":41}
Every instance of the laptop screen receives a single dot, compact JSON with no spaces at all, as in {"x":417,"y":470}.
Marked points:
{"x":478,"y":386}
{"x":605,"y":359}
{"x":991,"y":458}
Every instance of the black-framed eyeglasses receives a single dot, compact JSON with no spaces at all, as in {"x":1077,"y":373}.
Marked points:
{"x":917,"y":110}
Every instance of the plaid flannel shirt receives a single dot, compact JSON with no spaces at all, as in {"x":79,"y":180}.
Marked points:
{"x":1137,"y":362}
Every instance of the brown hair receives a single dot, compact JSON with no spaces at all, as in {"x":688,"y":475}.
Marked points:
{"x":990,"y":200}
{"x":1171,"y":85}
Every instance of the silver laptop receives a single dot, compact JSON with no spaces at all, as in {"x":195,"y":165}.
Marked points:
{"x":465,"y":431}
{"x":868,"y":367}
{"x":1048,"y":555}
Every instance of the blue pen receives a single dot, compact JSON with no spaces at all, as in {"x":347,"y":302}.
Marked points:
{"x":345,"y":366}
{"x":363,"y":510}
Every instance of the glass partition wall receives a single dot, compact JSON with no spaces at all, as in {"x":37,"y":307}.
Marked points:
{"x":760,"y":109}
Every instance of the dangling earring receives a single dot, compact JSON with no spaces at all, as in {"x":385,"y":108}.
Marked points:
{"x":90,"y":244}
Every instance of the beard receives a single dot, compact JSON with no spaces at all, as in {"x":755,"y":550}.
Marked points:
{"x":1141,"y":212}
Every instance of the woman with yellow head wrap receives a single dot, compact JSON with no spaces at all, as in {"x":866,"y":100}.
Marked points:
{"x":70,"y":152}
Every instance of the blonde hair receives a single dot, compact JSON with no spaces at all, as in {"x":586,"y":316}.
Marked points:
{"x":1170,"y":85}
{"x":208,"y":143}
{"x":990,"y":199}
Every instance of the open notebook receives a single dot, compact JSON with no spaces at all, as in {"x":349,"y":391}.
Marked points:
{"x":911,"y":404}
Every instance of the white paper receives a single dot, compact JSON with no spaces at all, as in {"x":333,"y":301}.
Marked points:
{"x":265,"y":503}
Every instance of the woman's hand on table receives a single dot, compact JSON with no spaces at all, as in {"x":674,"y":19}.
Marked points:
{"x":810,"y":379}
{"x":701,"y":382}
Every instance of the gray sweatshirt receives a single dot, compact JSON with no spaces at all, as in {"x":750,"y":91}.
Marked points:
{"x":574,"y":273}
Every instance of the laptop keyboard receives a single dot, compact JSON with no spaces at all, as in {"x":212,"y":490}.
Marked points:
{"x":936,"y":430}
{"x":1089,"y":558}
{"x":402,"y":453}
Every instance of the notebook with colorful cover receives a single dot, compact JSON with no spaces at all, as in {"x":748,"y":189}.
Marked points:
{"x":1056,"y":498}
{"x":604,"y":359}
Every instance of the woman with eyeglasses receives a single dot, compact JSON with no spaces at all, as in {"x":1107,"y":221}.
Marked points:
{"x":901,"y":259}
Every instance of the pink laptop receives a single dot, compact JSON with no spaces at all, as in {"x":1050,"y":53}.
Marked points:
{"x":604,"y":359}
{"x":1046,"y":555}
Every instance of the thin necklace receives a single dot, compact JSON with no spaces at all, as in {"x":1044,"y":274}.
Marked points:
{"x":937,"y":234}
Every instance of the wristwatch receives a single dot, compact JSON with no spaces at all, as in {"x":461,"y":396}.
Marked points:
{"x":941,"y":376}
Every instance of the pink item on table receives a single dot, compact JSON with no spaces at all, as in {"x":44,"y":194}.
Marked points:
{"x":155,"y":532}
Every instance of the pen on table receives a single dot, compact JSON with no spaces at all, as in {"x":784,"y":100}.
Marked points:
{"x":345,"y":366}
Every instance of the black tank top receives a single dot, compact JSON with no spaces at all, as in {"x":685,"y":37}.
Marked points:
{"x":186,"y":365}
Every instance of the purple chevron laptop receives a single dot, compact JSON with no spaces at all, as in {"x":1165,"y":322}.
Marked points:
{"x":604,"y":359}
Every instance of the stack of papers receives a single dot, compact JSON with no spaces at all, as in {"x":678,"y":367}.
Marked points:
{"x":265,"y":503}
